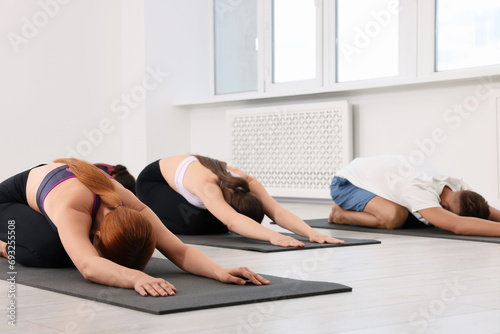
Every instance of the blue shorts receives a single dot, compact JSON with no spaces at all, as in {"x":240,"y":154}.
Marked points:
{"x":348,"y":196}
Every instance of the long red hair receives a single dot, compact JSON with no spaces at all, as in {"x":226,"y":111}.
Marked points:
{"x":126,"y":236}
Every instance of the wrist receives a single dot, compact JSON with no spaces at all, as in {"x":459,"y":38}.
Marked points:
{"x":219,"y":273}
{"x":313,"y":234}
{"x":274,"y":235}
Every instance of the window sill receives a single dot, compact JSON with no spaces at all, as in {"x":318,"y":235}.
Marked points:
{"x":366,"y":85}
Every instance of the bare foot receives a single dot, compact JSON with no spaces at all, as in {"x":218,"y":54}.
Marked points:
{"x":335,"y":215}
{"x":3,"y":249}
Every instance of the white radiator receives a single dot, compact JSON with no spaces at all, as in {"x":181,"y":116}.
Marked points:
{"x":293,"y":150}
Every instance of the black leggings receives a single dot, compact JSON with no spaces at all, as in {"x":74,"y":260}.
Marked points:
{"x":176,"y":213}
{"x":33,"y":242}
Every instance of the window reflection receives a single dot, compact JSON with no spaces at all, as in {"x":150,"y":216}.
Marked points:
{"x":467,"y":34}
{"x":367,"y":35}
{"x":294,"y":40}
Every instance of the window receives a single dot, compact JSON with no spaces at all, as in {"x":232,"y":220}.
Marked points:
{"x":367,"y":34}
{"x":294,"y":40}
{"x":271,"y":48}
{"x":235,"y":46}
{"x":467,"y":34}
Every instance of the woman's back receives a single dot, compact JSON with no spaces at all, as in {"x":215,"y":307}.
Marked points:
{"x":70,"y":193}
{"x":194,"y":172}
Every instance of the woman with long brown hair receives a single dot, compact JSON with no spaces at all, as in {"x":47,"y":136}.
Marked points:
{"x":69,"y":211}
{"x":193,"y":194}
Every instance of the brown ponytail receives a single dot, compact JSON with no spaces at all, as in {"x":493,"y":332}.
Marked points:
{"x":94,"y":179}
{"x":242,"y":200}
{"x":127,"y":237}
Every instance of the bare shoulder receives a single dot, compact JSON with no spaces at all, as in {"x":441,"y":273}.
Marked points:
{"x":196,"y":174}
{"x":70,"y":194}
{"x":129,"y":200}
{"x":35,"y":178}
{"x":169,"y":165}
{"x":201,"y":181}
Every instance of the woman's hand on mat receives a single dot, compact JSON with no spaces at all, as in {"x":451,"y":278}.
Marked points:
{"x":321,"y":239}
{"x":240,"y":275}
{"x":285,"y":241}
{"x":154,"y":287}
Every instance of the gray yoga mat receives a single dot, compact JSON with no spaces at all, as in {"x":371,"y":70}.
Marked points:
{"x":410,"y":228}
{"x":235,"y":241}
{"x":193,"y":292}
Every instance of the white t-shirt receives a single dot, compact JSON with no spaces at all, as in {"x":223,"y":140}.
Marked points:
{"x":395,"y":178}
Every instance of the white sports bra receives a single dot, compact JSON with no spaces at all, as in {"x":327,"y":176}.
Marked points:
{"x":179,"y":177}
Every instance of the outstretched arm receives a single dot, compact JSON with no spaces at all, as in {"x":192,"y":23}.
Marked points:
{"x":194,"y":260}
{"x":73,"y":227}
{"x":244,"y":225}
{"x":186,"y":257}
{"x":460,"y":225}
{"x":70,"y":212}
{"x":283,"y":217}
{"x":494,"y":214}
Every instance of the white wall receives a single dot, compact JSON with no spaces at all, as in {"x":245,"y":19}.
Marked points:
{"x":177,"y":43}
{"x":73,"y":82}
{"x":94,"y":79}
{"x":138,"y":82}
{"x":58,"y":79}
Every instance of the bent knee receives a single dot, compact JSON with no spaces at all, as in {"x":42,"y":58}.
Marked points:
{"x":394,"y":218}
{"x":43,"y":260}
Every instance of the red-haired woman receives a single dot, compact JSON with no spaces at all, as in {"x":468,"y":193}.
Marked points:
{"x":70,"y":211}
{"x":192,"y":194}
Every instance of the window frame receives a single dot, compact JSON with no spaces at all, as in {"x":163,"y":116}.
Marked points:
{"x":417,"y":45}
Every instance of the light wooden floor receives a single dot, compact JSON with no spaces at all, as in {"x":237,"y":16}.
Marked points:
{"x":404,"y":285}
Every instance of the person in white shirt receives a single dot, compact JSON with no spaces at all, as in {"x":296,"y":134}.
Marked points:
{"x":381,"y":191}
